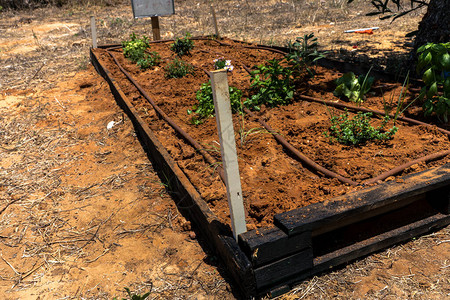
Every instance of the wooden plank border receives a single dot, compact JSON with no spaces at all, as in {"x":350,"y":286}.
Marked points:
{"x":353,"y":207}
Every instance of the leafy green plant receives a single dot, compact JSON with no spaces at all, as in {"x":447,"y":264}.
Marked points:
{"x":178,"y":69}
{"x":273,"y":84}
{"x":358,"y":130}
{"x":183,"y":46}
{"x":134,"y":48}
{"x":205,"y":106}
{"x":434,"y":61}
{"x":303,"y":54}
{"x":149,"y":60}
{"x":352,"y":87}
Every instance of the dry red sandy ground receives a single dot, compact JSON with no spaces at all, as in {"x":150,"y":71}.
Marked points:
{"x":82,"y":213}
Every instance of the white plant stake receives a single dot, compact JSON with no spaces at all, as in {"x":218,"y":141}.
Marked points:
{"x":222,"y":106}
{"x":94,"y":32}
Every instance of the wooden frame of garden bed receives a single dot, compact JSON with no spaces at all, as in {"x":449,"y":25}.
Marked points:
{"x":308,"y":240}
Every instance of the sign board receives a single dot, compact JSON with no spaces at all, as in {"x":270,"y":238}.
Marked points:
{"x":152,"y":8}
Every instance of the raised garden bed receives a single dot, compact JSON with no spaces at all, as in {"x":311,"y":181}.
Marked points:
{"x":300,"y":221}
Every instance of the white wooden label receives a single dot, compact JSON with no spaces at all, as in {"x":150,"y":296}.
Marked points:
{"x":93,"y":32}
{"x":152,"y":8}
{"x":222,"y":105}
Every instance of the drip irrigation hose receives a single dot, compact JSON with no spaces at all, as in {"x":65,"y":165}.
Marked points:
{"x":253,"y":47}
{"x":209,"y":159}
{"x":400,"y":168}
{"x":362,"y":109}
{"x":382,"y":176}
{"x":300,"y":156}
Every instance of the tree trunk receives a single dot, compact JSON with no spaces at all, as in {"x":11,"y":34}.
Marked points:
{"x":435,"y":25}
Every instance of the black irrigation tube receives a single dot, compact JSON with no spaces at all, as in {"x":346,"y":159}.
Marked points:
{"x":380,"y":177}
{"x":362,"y":109}
{"x":300,"y":156}
{"x":396,"y":170}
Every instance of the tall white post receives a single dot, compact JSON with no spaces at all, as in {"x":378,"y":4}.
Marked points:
{"x":94,"y":32}
{"x":221,"y":96}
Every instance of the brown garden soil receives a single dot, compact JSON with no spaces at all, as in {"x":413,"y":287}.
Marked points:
{"x":272,"y":180}
{"x":82,"y":212}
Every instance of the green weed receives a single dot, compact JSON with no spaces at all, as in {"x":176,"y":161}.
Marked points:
{"x":178,"y":69}
{"x":358,"y":130}
{"x":134,"y":296}
{"x":134,"y":49}
{"x":183,"y":46}
{"x":273,"y":84}
{"x":205,"y":106}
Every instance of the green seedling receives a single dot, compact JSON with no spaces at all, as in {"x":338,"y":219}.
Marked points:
{"x":358,"y":130}
{"x":178,"y":69}
{"x":273,"y":85}
{"x":303,"y":54}
{"x":183,"y":46}
{"x":205,"y":106}
{"x":399,"y":104}
{"x":134,"y":48}
{"x":149,"y":60}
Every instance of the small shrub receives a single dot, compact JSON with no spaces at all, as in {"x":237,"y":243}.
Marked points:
{"x":149,"y":60}
{"x":358,"y":130}
{"x":134,"y":49}
{"x":205,"y":106}
{"x":183,"y":46}
{"x":273,"y":84}
{"x":303,"y":54}
{"x":435,"y":60}
{"x":352,"y":87}
{"x":178,"y":69}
